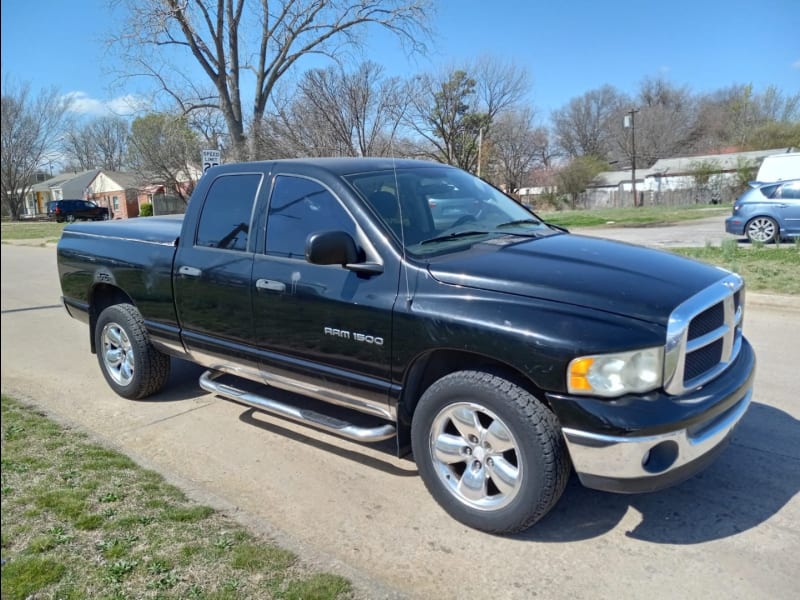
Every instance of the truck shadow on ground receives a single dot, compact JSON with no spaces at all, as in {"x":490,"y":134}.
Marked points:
{"x":183,"y":385}
{"x":751,"y":481}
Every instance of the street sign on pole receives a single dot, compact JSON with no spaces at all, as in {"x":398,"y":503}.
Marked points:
{"x":211,"y":158}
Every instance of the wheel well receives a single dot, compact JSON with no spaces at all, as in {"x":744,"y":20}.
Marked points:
{"x":436,"y":364}
{"x":102,"y":296}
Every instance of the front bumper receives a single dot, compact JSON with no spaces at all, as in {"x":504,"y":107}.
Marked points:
{"x":643,"y":444}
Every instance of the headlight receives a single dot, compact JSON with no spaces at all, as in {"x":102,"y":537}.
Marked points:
{"x":613,"y":375}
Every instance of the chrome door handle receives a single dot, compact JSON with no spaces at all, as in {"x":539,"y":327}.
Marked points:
{"x":269,"y":284}
{"x":190,"y":271}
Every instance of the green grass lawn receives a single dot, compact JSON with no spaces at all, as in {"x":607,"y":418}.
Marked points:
{"x":632,"y":217}
{"x":773,"y":268}
{"x":82,"y":521}
{"x":34,"y":230}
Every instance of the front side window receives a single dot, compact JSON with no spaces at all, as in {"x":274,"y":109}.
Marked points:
{"x":439,"y":209}
{"x":299,"y":207}
{"x":225,"y":220}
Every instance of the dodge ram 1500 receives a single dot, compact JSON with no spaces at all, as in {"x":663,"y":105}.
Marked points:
{"x":501,"y":351}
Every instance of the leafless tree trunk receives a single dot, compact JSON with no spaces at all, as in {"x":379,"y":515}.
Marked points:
{"x":29,"y":136}
{"x":265,"y":39}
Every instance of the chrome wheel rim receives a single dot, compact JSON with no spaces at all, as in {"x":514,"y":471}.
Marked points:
{"x":476,"y":456}
{"x":761,"y":230}
{"x":118,"y":356}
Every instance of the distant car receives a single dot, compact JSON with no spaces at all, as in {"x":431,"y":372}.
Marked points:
{"x":75,"y":210}
{"x":767,"y":212}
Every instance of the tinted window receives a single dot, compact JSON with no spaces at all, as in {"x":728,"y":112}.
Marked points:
{"x":790,"y":190}
{"x":299,"y":207}
{"x":225,"y":221}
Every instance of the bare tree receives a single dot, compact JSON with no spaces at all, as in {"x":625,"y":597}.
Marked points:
{"x":582,"y":128}
{"x":664,"y":124}
{"x":516,"y":148}
{"x":740,"y":116}
{"x":164,"y":149}
{"x":335,"y":112}
{"x":103,"y":142}
{"x":453,"y":111}
{"x":231,"y":37}
{"x":29,"y":137}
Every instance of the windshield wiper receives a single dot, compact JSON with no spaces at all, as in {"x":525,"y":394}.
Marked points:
{"x":519,"y":222}
{"x":452,"y":236}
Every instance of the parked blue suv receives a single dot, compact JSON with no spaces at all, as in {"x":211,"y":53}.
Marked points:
{"x":767,"y":212}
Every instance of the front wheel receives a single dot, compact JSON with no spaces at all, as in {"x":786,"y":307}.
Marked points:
{"x":489,"y":452}
{"x":131,"y":365}
{"x":762,"y":229}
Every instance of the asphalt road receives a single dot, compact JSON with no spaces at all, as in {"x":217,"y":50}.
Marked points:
{"x":698,"y":232}
{"x":731,"y":532}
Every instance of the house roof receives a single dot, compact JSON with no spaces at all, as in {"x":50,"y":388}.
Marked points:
{"x":72,"y":185}
{"x":684,"y":165}
{"x":124,"y":180}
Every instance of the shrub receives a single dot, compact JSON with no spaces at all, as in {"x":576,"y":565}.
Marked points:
{"x":146,"y":210}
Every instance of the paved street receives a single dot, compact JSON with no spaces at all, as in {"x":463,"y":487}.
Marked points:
{"x":733,"y":532}
{"x":698,"y":232}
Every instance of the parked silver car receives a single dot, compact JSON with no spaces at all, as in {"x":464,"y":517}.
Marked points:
{"x":767,"y":212}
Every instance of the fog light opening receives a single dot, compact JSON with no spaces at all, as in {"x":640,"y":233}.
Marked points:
{"x":660,"y":457}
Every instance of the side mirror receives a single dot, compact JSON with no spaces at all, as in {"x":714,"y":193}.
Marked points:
{"x":331,"y":248}
{"x":338,"y":248}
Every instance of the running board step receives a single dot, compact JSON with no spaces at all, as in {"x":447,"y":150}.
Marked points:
{"x":305,"y":416}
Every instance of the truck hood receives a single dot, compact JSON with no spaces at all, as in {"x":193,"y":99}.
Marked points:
{"x":611,"y":276}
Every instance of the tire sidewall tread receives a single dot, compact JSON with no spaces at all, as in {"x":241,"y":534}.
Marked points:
{"x":536,"y":430}
{"x":151,"y":367}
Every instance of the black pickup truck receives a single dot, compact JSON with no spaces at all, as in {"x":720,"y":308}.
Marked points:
{"x":430,"y":308}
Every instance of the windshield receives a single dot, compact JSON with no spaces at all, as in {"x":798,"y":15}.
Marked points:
{"x":440,"y":209}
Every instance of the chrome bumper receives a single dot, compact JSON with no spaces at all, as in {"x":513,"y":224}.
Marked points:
{"x":649,"y":463}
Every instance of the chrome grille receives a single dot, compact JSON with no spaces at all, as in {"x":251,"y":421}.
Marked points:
{"x":704,"y":335}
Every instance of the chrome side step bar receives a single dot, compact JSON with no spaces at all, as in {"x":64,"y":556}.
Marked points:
{"x":305,"y":416}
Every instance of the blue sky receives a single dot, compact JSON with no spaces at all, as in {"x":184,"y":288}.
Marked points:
{"x":569,"y":47}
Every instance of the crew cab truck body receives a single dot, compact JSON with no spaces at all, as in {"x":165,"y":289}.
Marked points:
{"x":501,"y":351}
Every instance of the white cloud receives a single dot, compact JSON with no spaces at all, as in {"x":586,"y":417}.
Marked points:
{"x":123,"y":106}
{"x":796,"y":64}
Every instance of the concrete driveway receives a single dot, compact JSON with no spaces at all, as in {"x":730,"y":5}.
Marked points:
{"x":731,"y":532}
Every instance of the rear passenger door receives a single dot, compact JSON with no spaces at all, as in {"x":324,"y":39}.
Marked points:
{"x":321,"y":326}
{"x":212,"y":274}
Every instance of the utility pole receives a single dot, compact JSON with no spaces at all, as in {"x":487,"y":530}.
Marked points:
{"x":629,"y":122}
{"x":480,"y":146}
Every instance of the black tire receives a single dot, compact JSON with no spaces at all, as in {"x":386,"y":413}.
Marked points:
{"x":131,"y":365}
{"x":71,"y":218}
{"x":517,"y":461}
{"x":762,"y":229}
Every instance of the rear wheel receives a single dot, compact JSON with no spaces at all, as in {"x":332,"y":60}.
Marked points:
{"x":762,"y":229}
{"x":489,"y":452}
{"x":131,"y":365}
{"x":70,"y":218}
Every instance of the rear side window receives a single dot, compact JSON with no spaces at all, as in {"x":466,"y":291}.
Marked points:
{"x":790,"y":191}
{"x":299,"y":207}
{"x":225,"y":220}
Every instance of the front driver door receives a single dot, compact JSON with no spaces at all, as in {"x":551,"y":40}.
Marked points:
{"x":322,"y":328}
